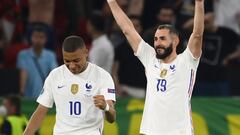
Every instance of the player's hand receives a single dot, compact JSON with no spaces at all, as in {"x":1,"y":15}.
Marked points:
{"x":99,"y":101}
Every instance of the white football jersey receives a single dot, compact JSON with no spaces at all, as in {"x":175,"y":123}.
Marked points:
{"x":72,"y":94}
{"x":167,"y":109}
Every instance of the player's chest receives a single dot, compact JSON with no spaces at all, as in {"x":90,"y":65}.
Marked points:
{"x":75,"y":88}
{"x":162,"y":78}
{"x":163,"y":71}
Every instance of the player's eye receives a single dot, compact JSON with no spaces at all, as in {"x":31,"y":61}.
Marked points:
{"x":77,"y":60}
{"x":66,"y":61}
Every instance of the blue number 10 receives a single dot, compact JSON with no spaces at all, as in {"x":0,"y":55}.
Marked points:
{"x":75,"y":108}
{"x":161,"y":85}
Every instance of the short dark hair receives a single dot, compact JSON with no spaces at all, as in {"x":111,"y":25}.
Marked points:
{"x":166,"y":6}
{"x":72,"y":43}
{"x":15,"y":101}
{"x":171,"y":29}
{"x":97,"y":21}
{"x":40,"y":28}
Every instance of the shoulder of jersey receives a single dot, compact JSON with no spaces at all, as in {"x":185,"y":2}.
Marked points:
{"x":98,"y":68}
{"x":57,"y":70}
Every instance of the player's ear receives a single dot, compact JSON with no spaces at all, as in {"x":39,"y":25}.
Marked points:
{"x":86,"y":51}
{"x":176,"y":40}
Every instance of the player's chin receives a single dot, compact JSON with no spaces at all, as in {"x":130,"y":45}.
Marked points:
{"x":74,"y":71}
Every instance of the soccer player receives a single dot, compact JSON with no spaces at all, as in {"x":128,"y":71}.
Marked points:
{"x":170,"y":77}
{"x":83,"y":94}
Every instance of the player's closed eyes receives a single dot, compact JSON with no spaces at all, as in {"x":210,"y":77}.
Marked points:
{"x":161,"y":38}
{"x":75,"y":61}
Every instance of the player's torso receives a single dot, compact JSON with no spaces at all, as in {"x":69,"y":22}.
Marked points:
{"x":73,"y":98}
{"x":167,"y":99}
{"x":168,"y":79}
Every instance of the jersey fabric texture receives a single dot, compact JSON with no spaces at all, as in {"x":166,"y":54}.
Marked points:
{"x":72,"y":94}
{"x":167,"y":109}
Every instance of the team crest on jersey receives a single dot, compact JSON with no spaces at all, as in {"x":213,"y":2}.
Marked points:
{"x":88,"y":91}
{"x":163,"y":73}
{"x":74,"y":88}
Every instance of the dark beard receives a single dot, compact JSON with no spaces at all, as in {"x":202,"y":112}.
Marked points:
{"x":167,"y":51}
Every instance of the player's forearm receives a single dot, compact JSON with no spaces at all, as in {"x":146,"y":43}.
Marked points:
{"x":198,"y":26}
{"x":110,"y":115}
{"x":33,"y":125}
{"x":121,"y":18}
{"x":35,"y":121}
{"x":23,"y":79}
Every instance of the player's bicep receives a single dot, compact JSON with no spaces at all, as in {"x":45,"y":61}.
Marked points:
{"x":190,"y":59}
{"x":108,"y":88}
{"x":195,"y":45}
{"x":145,"y":53}
{"x":46,"y":97}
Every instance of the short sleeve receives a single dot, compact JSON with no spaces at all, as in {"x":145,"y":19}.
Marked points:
{"x":145,"y":52}
{"x":107,"y":87}
{"x":21,"y":61}
{"x":188,"y":56}
{"x":46,"y":97}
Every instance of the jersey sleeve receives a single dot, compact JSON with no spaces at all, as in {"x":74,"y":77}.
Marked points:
{"x":46,"y":97}
{"x":145,"y":52}
{"x":188,"y":57}
{"x":107,"y":88}
{"x":21,"y":61}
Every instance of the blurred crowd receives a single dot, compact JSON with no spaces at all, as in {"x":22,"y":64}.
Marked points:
{"x":31,"y":33}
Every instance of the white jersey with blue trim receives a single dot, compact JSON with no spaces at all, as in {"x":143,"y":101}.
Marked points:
{"x":72,"y":94}
{"x":167,"y":109}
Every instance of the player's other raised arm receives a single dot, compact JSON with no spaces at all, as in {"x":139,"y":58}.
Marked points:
{"x":125,"y":25}
{"x":195,"y":41}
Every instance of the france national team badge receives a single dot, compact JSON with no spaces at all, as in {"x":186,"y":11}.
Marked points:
{"x":88,"y":90}
{"x":163,"y":73}
{"x":173,"y":68}
{"x":74,"y":88}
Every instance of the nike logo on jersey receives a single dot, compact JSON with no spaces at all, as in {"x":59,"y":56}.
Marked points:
{"x":61,"y":86}
{"x":156,"y":66}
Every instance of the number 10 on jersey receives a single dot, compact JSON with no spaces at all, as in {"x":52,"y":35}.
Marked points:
{"x":75,"y":107}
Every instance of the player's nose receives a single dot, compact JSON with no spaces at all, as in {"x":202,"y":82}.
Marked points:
{"x":72,"y":65}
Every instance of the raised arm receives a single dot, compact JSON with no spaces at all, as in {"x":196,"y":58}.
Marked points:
{"x":125,"y":25}
{"x":195,"y":41}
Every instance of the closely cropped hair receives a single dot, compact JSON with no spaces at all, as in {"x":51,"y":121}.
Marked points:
{"x":39,"y":28}
{"x":166,"y":6}
{"x":171,"y":29}
{"x":72,"y":43}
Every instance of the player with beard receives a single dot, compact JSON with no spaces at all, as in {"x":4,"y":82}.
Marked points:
{"x":170,"y":77}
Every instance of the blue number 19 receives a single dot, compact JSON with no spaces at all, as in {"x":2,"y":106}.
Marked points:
{"x":161,"y":85}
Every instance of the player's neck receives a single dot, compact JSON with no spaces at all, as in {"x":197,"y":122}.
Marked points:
{"x":169,"y":59}
{"x":85,"y":67}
